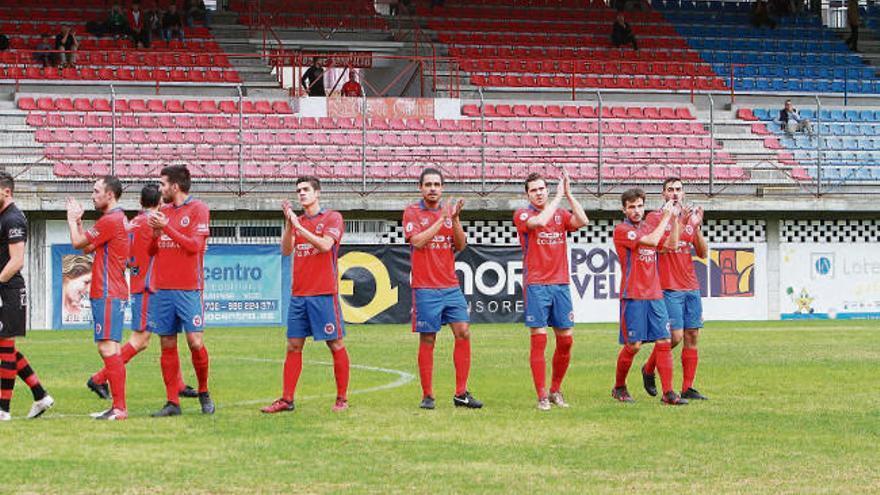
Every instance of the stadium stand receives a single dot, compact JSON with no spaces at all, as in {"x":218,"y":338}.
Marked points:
{"x":197,"y":60}
{"x":345,"y":15}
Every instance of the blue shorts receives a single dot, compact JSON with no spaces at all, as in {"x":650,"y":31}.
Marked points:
{"x":140,"y":304}
{"x":685,"y":309}
{"x":318,"y":317}
{"x":173,"y":311}
{"x":433,"y":308}
{"x":549,"y":305}
{"x":643,"y":320}
{"x":108,"y":315}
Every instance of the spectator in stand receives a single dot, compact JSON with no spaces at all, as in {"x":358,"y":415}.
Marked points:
{"x":196,"y":9}
{"x":172,"y":24}
{"x":352,"y":87}
{"x":853,"y":19}
{"x":140,"y":33}
{"x":117,"y":26}
{"x":66,"y":42}
{"x":313,"y":79}
{"x":43,"y":54}
{"x":761,"y":15}
{"x":791,"y":121}
{"x":622,"y":34}
{"x":153,"y":21}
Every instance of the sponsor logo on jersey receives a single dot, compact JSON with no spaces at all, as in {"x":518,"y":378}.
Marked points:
{"x":15,"y":233}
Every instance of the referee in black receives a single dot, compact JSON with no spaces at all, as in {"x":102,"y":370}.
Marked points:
{"x":13,"y":305}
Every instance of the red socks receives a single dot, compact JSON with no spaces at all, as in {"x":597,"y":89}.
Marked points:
{"x":461,"y":357}
{"x":426,"y":368}
{"x":170,"y":364}
{"x":293,"y":366}
{"x":200,"y":362}
{"x":689,"y":360}
{"x":624,"y":363}
{"x":341,"y":370}
{"x":116,"y":378}
{"x":664,"y":364}
{"x":127,"y":352}
{"x":561,"y":358}
{"x":539,"y":366}
{"x":651,"y":363}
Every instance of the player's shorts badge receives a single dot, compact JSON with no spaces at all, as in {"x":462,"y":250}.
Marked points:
{"x":197,"y":320}
{"x":184,"y":221}
{"x":329,"y":328}
{"x":98,"y":328}
{"x":571,"y":316}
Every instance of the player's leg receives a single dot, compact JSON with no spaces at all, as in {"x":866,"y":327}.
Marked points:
{"x":7,"y":375}
{"x":426,"y":321}
{"x":455,"y":314}
{"x":107,"y":315}
{"x":538,"y":304}
{"x":674,"y":302}
{"x":136,"y":344}
{"x":191,"y":312}
{"x":658,"y":332}
{"x":562,"y":321}
{"x":297,"y":331}
{"x":42,"y":400}
{"x":162,"y":319}
{"x":689,"y":353}
{"x":632,"y":333}
{"x":325,"y":316}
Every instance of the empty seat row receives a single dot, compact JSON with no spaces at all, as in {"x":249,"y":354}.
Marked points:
{"x":192,"y":75}
{"x":154,"y":105}
{"x":826,"y":115}
{"x":636,"y":82}
{"x":550,"y":55}
{"x":587,"y":67}
{"x":578,"y":111}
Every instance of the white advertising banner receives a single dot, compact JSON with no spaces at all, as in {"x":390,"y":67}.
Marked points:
{"x":829,"y":281}
{"x":733,"y":282}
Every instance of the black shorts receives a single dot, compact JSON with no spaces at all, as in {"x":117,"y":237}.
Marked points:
{"x":13,"y":312}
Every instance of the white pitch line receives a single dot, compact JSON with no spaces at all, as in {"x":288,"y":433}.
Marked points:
{"x":402,"y":379}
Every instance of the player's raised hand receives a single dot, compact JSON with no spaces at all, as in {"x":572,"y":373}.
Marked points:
{"x":157,"y":220}
{"x":287,"y":209}
{"x":74,"y":210}
{"x":455,"y":208}
{"x":669,"y":208}
{"x":697,"y":216}
{"x":566,"y":183}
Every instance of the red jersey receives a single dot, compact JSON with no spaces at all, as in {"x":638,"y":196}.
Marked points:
{"x":316,"y":273}
{"x":351,"y":88}
{"x":545,"y":251}
{"x":179,"y":252}
{"x":109,"y":236}
{"x":433,"y":265}
{"x":677,"y":267}
{"x":638,"y":263}
{"x":140,"y":262}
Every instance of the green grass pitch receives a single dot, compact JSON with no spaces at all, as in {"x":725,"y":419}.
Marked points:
{"x":794,"y":409}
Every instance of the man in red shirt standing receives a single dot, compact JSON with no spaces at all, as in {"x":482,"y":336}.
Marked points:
{"x":681,"y":291}
{"x":108,"y":239}
{"x":140,"y":266}
{"x":180,"y":235}
{"x":352,"y":88}
{"x":543,"y":229}
{"x":643,"y":316}
{"x":313,"y":241}
{"x":435,"y":234}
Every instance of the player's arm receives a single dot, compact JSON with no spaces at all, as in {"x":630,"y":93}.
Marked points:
{"x":458,"y":236}
{"x":322,"y":243}
{"x":543,"y":218}
{"x":671,"y":242}
{"x":578,"y":215}
{"x":15,"y":263}
{"x":700,"y":244}
{"x":419,"y":240}
{"x":653,"y":238}
{"x":74,"y":224}
{"x":191,"y":244}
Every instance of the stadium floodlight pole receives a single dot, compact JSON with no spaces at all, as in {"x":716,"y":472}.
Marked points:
{"x":112,"y":130}
{"x":364,"y":142}
{"x":240,"y":140}
{"x":599,"y":146}
{"x":482,"y":142}
{"x":818,"y":145}
{"x":711,"y":142}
